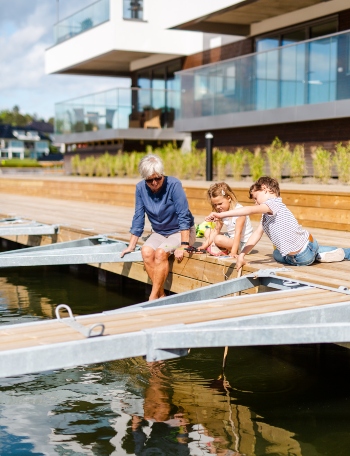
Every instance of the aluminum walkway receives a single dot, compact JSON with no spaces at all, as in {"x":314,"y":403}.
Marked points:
{"x":298,"y":312}
{"x":17,"y":226}
{"x":90,"y":250}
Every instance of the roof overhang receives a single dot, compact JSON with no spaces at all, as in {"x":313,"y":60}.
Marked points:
{"x":116,"y":63}
{"x":113,"y":63}
{"x":237,"y":19}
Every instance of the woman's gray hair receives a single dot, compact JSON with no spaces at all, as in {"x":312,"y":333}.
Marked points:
{"x":149,"y":165}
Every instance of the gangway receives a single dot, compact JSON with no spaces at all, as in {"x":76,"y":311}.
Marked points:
{"x":296,"y":313}
{"x":17,"y":226}
{"x":90,"y":250}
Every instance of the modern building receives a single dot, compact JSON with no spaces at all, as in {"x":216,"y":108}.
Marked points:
{"x":125,"y":38}
{"x":23,"y":142}
{"x":245,"y":70}
{"x":289,"y":76}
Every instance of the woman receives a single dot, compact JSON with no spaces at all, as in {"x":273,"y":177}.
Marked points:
{"x":164,"y":201}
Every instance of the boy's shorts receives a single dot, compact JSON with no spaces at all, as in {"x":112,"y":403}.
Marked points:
{"x":169,"y":243}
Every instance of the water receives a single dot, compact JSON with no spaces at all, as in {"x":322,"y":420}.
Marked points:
{"x":285,"y":400}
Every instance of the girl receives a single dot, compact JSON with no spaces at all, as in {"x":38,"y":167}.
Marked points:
{"x":222,"y":199}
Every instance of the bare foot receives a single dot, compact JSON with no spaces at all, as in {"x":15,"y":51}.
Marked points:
{"x":152,"y":297}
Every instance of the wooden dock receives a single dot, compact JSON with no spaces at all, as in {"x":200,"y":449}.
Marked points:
{"x":85,"y":207}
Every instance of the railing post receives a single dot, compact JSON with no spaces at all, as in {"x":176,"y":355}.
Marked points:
{"x":209,"y":156}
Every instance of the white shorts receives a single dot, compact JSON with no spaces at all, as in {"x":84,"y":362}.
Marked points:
{"x":169,"y":243}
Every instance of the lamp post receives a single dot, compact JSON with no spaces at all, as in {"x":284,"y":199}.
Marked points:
{"x":209,"y":156}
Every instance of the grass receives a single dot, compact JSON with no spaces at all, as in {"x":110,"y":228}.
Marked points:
{"x":278,"y":156}
{"x":226,"y":165}
{"x":341,"y":160}
{"x":322,"y":164}
{"x":19,"y":163}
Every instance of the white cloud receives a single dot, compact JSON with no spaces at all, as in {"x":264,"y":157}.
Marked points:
{"x":26,"y":30}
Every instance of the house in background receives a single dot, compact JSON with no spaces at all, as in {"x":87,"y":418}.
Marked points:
{"x":23,"y":142}
{"x":126,"y":38}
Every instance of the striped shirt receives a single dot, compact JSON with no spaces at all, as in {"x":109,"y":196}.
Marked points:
{"x":282,"y":228}
{"x":167,"y":210}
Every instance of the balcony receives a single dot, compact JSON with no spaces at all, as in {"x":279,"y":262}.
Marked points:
{"x":300,"y":81}
{"x":117,"y":109}
{"x":83,"y":20}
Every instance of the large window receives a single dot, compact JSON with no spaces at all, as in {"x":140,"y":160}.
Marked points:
{"x":281,"y":74}
{"x":296,"y":34}
{"x":133,"y":9}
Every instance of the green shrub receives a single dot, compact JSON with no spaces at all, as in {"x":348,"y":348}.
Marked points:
{"x":118,"y":168}
{"x":256,"y":163}
{"x":237,"y":161}
{"x":322,"y":163}
{"x":103,"y":165}
{"x":278,"y":156}
{"x":75,"y":164}
{"x":220,"y":160}
{"x":20,"y":163}
{"x":297,"y":163}
{"x":87,"y":166}
{"x":131,"y":162}
{"x":341,"y":160}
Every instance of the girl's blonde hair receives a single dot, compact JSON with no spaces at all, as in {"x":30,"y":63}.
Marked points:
{"x":222,"y":189}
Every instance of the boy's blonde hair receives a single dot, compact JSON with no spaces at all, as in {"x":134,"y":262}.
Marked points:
{"x":265,"y":181}
{"x":222,"y":189}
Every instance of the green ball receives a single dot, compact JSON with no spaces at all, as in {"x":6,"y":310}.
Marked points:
{"x":201,"y":227}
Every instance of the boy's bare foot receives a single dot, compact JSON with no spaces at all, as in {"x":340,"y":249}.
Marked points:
{"x":331,"y":257}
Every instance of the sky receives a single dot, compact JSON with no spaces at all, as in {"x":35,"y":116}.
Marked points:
{"x":26,"y":30}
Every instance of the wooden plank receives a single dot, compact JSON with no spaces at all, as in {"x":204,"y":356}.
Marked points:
{"x":187,"y":314}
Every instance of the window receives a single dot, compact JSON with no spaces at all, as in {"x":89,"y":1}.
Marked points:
{"x":133,"y":9}
{"x":16,"y":144}
{"x":41,"y":146}
{"x":297,"y":34}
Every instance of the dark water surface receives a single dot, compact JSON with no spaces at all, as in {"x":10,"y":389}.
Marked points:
{"x":288,"y":400}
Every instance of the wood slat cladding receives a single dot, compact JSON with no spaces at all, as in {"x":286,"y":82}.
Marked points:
{"x":317,"y":132}
{"x":228,"y":51}
{"x":344,"y":20}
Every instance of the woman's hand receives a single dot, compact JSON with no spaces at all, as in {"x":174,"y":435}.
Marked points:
{"x":212,"y":217}
{"x":127,"y":250}
{"x":179,"y":254}
{"x":240,"y":261}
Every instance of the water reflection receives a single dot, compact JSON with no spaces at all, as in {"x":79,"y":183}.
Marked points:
{"x":272,"y":400}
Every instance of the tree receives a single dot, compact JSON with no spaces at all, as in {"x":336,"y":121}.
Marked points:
{"x":15,"y":118}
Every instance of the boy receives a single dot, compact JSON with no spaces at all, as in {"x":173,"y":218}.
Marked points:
{"x":293,"y":245}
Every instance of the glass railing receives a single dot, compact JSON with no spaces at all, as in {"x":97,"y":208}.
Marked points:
{"x":117,"y":108}
{"x":83,"y":20}
{"x":308,"y":72}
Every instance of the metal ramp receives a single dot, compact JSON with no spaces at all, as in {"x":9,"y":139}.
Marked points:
{"x":17,"y":226}
{"x":94,"y":249}
{"x":297,"y":313}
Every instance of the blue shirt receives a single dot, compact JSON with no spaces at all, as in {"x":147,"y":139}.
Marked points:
{"x":167,"y":209}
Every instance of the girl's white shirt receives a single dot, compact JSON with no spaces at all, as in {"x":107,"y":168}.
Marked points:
{"x":230,"y":223}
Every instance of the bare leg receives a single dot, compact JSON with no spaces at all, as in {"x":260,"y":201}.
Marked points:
{"x":148,"y":255}
{"x":209,"y":235}
{"x":160,"y":273}
{"x":223,"y":242}
{"x":157,"y":267}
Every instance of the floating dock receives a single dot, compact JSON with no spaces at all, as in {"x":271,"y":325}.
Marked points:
{"x":298,"y":312}
{"x":311,"y":304}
